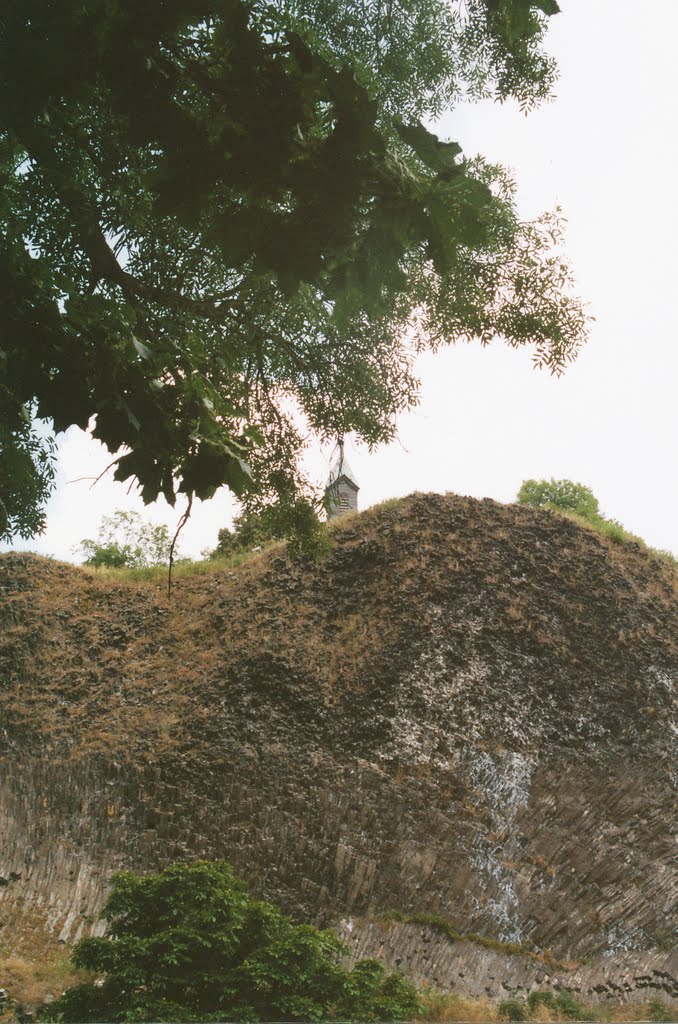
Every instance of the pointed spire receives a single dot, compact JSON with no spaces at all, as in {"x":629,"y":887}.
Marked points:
{"x":342,"y":488}
{"x":340,"y":468}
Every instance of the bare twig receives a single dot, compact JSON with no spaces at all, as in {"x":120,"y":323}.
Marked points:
{"x":95,"y":479}
{"x":105,"y":471}
{"x":182,"y":522}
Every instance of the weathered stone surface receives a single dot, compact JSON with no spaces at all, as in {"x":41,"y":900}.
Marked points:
{"x":466,"y":710}
{"x":479,"y":972}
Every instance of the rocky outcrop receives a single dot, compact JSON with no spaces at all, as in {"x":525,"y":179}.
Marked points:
{"x":466,"y":710}
{"x":490,"y":972}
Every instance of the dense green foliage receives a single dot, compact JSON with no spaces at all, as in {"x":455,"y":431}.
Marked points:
{"x":26,"y":473}
{"x":250,"y":531}
{"x":559,"y":494}
{"x":537,"y":999}
{"x":219,"y":219}
{"x":125,"y":540}
{"x":511,"y":1009}
{"x":259,"y":524}
{"x":190,"y":944}
{"x":561,"y":1004}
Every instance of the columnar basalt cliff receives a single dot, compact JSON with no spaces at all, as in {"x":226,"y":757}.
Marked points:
{"x":463,"y":715}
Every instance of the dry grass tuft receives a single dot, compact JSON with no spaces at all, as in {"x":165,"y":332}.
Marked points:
{"x":448,"y":1006}
{"x":30,"y":983}
{"x":441,"y":1006}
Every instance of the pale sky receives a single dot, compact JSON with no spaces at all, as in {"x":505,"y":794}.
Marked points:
{"x":606,"y":150}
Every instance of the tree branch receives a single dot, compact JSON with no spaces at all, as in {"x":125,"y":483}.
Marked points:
{"x":37,"y":143}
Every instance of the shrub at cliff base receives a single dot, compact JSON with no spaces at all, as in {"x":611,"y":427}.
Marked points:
{"x":558,"y":1006}
{"x":190,"y":943}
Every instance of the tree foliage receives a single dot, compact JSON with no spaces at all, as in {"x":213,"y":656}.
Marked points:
{"x":125,"y":540}
{"x":250,"y":531}
{"x":560,"y":494}
{"x":259,"y":523}
{"x":220,"y":218}
{"x":189,"y":943}
{"x":26,"y":474}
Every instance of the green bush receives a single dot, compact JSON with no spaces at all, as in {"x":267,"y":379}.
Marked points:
{"x":512,"y":1009}
{"x":259,"y":526}
{"x":249,"y":533}
{"x":659,"y":1011}
{"x":537,"y":999}
{"x":560,"y":494}
{"x":190,"y":944}
{"x":613,"y":530}
{"x":568,"y":1006}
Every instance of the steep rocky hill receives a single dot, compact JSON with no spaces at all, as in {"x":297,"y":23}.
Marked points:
{"x":464,"y":715}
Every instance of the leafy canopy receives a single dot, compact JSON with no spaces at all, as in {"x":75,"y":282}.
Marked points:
{"x":126,"y":540}
{"x":26,"y":473}
{"x":189,"y":943}
{"x":250,"y":531}
{"x":254,"y":527}
{"x":221,"y":219}
{"x":560,"y":494}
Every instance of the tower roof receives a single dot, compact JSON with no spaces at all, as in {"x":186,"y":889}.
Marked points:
{"x":340,"y":468}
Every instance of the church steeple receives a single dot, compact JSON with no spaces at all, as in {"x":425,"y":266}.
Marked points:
{"x":341,"y":491}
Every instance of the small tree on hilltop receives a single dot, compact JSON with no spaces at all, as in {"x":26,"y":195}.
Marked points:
{"x":560,"y":494}
{"x":190,"y":944}
{"x":126,"y":540}
{"x":250,"y":531}
{"x":259,"y":524}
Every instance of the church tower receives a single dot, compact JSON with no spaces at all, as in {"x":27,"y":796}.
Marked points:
{"x":341,"y":492}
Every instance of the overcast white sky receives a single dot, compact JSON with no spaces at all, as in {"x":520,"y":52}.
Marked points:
{"x":606,"y":150}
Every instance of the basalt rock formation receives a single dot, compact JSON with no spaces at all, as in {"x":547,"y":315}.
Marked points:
{"x":460,"y":721}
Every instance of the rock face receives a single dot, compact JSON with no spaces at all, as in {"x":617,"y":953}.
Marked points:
{"x":466,"y":710}
{"x":489,"y":972}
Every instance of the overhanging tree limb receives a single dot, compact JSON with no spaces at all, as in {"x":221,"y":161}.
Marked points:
{"x":249,"y":192}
